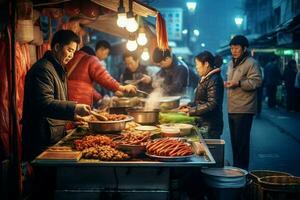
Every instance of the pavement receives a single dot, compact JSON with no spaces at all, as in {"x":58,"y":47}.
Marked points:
{"x":275,"y":141}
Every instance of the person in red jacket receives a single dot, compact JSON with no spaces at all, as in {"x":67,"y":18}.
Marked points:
{"x":85,"y":69}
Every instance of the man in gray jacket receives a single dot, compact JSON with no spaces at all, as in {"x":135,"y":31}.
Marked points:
{"x":244,"y":78}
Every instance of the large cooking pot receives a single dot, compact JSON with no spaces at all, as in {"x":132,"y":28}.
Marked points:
{"x":126,"y":102}
{"x":165,"y":103}
{"x":108,"y":126}
{"x":145,"y":117}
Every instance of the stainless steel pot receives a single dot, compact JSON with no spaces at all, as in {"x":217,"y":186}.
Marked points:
{"x":126,"y":102}
{"x":145,"y":117}
{"x":169,"y":103}
{"x":165,"y":103}
{"x":108,"y":126}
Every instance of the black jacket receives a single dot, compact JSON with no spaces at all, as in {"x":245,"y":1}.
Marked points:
{"x":174,"y":79}
{"x":208,"y":103}
{"x":45,"y":106}
{"x":138,"y":74}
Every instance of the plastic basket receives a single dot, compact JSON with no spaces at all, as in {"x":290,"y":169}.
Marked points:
{"x":280,"y":187}
{"x":253,"y":189}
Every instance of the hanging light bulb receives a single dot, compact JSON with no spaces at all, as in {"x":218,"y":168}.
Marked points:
{"x":122,"y":16}
{"x":145,"y":55}
{"x":132,"y":24}
{"x":131,"y":45}
{"x":142,"y":39}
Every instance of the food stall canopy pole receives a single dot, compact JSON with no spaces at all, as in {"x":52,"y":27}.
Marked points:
{"x":138,"y":7}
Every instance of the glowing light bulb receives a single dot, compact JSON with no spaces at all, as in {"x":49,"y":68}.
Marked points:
{"x":131,"y":45}
{"x":132,"y":25}
{"x":142,"y":39}
{"x":145,"y":55}
{"x":122,"y":20}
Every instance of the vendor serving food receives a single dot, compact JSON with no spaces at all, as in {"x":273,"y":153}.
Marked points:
{"x":45,"y":97}
{"x":208,"y":100}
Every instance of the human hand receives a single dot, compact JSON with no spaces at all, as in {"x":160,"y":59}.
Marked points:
{"x":119,"y":93}
{"x":231,"y":84}
{"x":184,"y":108}
{"x":146,"y":79}
{"x":82,"y":110}
{"x":128,"y":88}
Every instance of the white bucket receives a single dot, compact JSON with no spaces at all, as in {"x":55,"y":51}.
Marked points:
{"x":24,"y":32}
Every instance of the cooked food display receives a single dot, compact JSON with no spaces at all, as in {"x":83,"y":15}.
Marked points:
{"x":110,"y":117}
{"x":105,"y":153}
{"x":134,"y":138}
{"x":130,"y":126}
{"x":93,"y":141}
{"x":169,"y":147}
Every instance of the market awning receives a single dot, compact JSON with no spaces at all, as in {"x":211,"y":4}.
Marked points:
{"x":138,"y":7}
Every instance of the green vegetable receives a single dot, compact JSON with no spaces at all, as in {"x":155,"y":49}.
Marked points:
{"x":176,"y":118}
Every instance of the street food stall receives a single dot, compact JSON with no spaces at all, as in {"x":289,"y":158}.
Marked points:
{"x":133,"y":161}
{"x":115,"y":152}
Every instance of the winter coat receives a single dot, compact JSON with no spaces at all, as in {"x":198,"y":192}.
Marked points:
{"x":272,"y":75}
{"x":138,"y":74}
{"x":208,"y":102}
{"x":45,"y":107}
{"x":243,"y":99}
{"x":173,"y":80}
{"x":87,"y":71}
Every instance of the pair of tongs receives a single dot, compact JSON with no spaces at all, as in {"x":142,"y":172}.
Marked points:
{"x":142,"y":92}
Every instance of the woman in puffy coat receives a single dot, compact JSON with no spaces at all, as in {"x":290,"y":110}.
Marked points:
{"x":208,"y":100}
{"x":85,"y":69}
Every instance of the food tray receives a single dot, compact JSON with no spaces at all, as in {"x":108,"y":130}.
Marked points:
{"x":171,"y":158}
{"x":108,"y":126}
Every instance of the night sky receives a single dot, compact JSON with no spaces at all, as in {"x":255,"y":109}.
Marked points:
{"x":214,"y":19}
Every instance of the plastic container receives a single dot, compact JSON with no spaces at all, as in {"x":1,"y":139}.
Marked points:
{"x":225,"y":183}
{"x":280,"y":187}
{"x":170,"y":132}
{"x":254,"y":190}
{"x":216,"y":148}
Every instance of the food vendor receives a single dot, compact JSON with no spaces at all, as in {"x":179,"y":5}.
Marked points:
{"x":85,"y":69}
{"x":136,"y":72}
{"x":46,"y":107}
{"x":173,"y":76}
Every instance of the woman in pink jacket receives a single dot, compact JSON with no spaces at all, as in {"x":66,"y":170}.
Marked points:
{"x":85,"y":69}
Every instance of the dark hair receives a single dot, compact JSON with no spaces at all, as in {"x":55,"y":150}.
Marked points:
{"x":160,"y":55}
{"x":292,"y":64}
{"x":64,"y":37}
{"x":130,"y":54}
{"x":104,"y":44}
{"x":218,"y":61}
{"x":239,"y":40}
{"x":206,"y":56}
{"x":89,"y":50}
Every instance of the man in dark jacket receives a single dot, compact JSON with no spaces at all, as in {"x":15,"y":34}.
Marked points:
{"x":45,"y":97}
{"x":173,"y":76}
{"x":136,"y":72}
{"x":272,"y":78}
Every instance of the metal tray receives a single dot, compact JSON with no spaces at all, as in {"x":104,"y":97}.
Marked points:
{"x":171,"y":158}
{"x":108,"y":126}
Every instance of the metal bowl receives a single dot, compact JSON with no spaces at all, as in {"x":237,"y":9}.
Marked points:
{"x":108,"y":126}
{"x":145,"y":117}
{"x":126,"y":102}
{"x":169,"y":103}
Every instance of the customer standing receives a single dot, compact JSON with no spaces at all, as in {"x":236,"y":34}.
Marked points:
{"x":207,"y":105}
{"x":289,"y":77}
{"x":244,"y":78}
{"x":272,"y":78}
